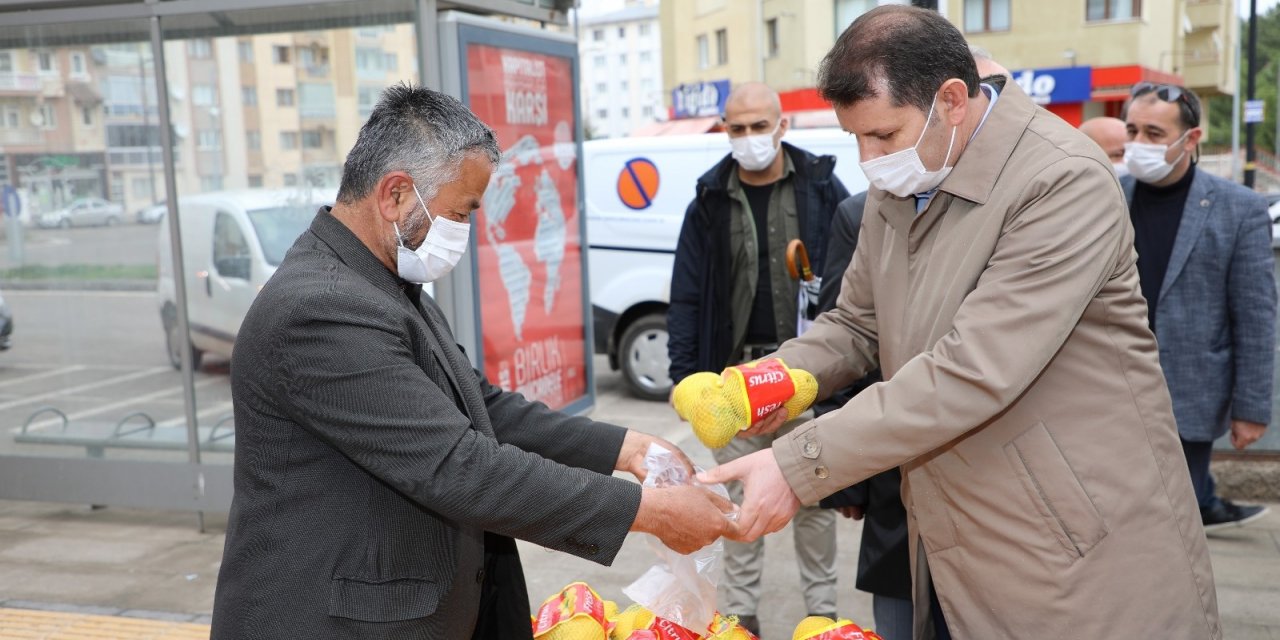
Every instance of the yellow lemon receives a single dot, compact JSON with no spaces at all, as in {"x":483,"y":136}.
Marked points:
{"x":811,"y":626}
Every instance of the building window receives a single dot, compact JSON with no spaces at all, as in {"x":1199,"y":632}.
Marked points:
{"x":602,"y":88}
{"x":771,"y":38}
{"x":284,"y":97}
{"x":199,"y":48}
{"x":1100,"y":10}
{"x":986,"y":15}
{"x":622,"y":59}
{"x":622,"y":32}
{"x":48,"y":117}
{"x":290,"y":179}
{"x":647,"y":111}
{"x":722,"y":47}
{"x":245,"y":48}
{"x":77,"y":64}
{"x":597,"y":35}
{"x":848,"y":10}
{"x":626,"y":112}
{"x":202,"y":95}
{"x":87,"y":114}
{"x":599,"y":61}
{"x":288,"y":140}
{"x":646,"y":57}
{"x":366,"y":99}
{"x":646,"y":29}
{"x":12,"y":118}
{"x":6,"y":61}
{"x":624,"y":86}
{"x":602,"y":114}
{"x":390,"y":62}
{"x":280,"y":54}
{"x":253,"y":140}
{"x":46,"y":63}
{"x":312,"y":140}
{"x":249,"y":96}
{"x":208,"y":139}
{"x":646,"y":85}
{"x":255,"y":181}
{"x":211,"y":183}
{"x":141,"y":186}
{"x":704,"y":52}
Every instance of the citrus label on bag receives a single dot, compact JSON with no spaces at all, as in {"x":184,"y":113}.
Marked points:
{"x":577,"y":600}
{"x":843,"y":632}
{"x":767,"y":385}
{"x":668,"y":630}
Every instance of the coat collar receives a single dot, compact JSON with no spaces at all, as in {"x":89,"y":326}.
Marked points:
{"x":353,"y":253}
{"x":979,"y":167}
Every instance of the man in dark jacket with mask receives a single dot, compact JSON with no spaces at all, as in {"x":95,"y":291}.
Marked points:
{"x":732,"y":300}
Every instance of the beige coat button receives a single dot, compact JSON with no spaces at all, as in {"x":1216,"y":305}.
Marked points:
{"x":821,"y":472}
{"x":811,"y":449}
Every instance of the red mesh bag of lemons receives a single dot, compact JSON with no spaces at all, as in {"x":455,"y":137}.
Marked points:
{"x":576,"y":613}
{"x":727,"y":628}
{"x":719,"y":406}
{"x":823,"y":628}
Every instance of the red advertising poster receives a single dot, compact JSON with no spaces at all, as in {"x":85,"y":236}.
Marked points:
{"x":527,"y":231}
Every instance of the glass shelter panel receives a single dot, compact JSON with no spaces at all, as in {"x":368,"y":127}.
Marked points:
{"x":257,"y":169}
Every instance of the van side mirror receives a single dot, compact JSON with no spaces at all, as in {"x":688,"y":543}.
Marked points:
{"x":234,"y":267}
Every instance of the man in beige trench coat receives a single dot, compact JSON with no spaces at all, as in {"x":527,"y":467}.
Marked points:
{"x":1023,"y":398}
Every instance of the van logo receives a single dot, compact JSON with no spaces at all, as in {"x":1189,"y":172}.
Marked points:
{"x":638,"y":183}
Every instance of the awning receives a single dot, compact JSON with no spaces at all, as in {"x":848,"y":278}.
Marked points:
{"x":678,"y":127}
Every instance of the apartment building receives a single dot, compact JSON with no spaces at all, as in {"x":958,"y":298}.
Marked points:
{"x":1079,"y":58}
{"x":621,"y":62}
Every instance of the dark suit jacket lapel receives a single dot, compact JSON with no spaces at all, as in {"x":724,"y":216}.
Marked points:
{"x":1194,"y":215}
{"x":353,"y":253}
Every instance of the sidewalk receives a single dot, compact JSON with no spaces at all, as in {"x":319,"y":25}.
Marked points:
{"x":151,"y":573}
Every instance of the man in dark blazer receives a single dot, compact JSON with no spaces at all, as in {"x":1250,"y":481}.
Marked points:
{"x":376,"y":472}
{"x":1207,"y":272}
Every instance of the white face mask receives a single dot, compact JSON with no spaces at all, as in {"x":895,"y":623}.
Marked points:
{"x":439,"y":252}
{"x":1146,"y":161}
{"x":755,"y":152}
{"x":1121,"y":169}
{"x":902,"y":173}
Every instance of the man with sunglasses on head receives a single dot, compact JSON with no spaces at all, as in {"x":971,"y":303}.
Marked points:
{"x":994,"y":285}
{"x":732,"y":300}
{"x":1207,"y":272}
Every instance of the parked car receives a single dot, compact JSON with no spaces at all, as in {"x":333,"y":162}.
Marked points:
{"x":153,"y":213}
{"x":6,"y":324}
{"x":232,"y":242}
{"x":83,"y":212}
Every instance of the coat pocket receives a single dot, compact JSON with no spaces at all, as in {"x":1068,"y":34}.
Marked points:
{"x":384,"y":601}
{"x":1055,"y":490}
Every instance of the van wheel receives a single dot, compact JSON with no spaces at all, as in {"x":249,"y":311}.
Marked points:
{"x":643,"y":355}
{"x":175,"y":341}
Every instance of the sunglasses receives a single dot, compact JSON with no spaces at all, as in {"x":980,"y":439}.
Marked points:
{"x":1168,"y":93}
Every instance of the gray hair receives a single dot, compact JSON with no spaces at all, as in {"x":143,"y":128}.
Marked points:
{"x":979,"y":53}
{"x":419,"y":131}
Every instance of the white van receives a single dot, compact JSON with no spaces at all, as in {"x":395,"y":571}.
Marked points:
{"x":633,"y":222}
{"x":232,"y":242}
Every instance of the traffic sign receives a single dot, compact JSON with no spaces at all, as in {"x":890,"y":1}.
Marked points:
{"x":1253,"y":111}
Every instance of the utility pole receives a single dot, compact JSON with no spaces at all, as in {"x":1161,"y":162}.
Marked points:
{"x":1251,"y":154}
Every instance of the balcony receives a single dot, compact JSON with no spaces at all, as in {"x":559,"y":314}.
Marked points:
{"x":1205,"y":14}
{"x":19,"y":83}
{"x":24,"y":136}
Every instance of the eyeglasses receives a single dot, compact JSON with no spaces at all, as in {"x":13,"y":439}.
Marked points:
{"x":1168,"y":93}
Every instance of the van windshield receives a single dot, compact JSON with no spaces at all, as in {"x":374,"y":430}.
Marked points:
{"x":278,"y":227}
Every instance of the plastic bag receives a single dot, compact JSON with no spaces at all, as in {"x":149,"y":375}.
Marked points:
{"x":679,"y":588}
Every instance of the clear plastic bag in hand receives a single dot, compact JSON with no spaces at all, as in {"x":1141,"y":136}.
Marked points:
{"x":679,"y":588}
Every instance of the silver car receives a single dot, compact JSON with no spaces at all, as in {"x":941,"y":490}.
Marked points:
{"x":83,"y":212}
